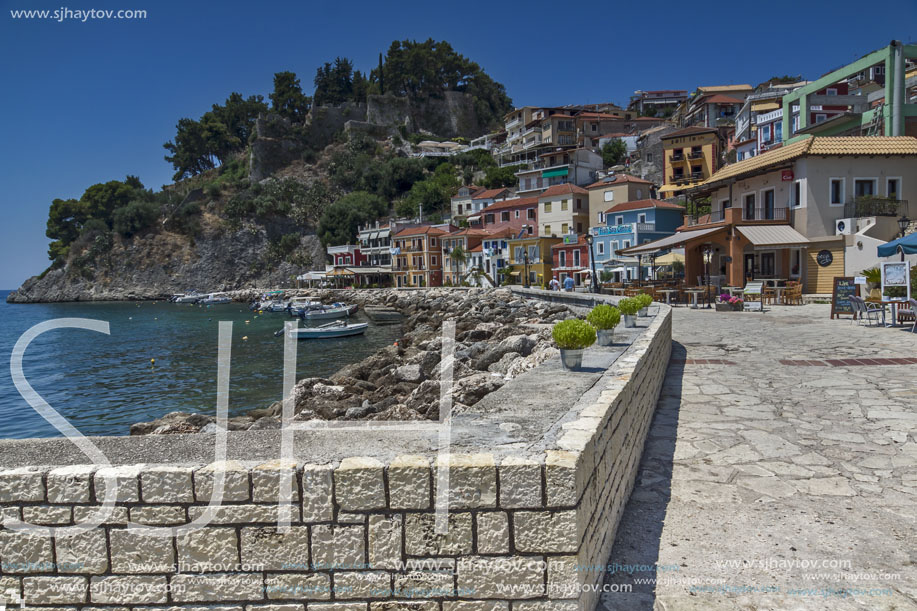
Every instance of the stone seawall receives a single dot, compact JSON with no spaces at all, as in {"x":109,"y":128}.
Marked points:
{"x":530,"y":515}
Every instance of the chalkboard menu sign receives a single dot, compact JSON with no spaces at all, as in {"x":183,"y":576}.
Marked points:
{"x":844,"y":289}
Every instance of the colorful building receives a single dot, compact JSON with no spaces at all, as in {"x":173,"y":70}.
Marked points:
{"x":535,"y":270}
{"x":457,"y":247}
{"x":418,"y":256}
{"x":563,"y":209}
{"x":630,"y":224}
{"x":558,"y":167}
{"x":519,"y":214}
{"x":614,"y":189}
{"x":689,"y":157}
{"x":808,"y":211}
{"x":346,"y":255}
{"x":571,"y":259}
{"x":489,"y":257}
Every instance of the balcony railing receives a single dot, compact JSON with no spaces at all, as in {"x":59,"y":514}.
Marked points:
{"x":646,"y":226}
{"x":764,"y":214}
{"x":716,"y":216}
{"x":696,"y":155}
{"x":873,"y":206}
{"x":676,"y":157}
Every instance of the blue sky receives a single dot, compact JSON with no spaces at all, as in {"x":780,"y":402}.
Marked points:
{"x":90,"y":102}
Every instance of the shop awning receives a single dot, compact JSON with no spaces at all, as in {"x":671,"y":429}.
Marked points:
{"x":673,"y":188}
{"x":670,"y":258}
{"x":472,"y":219}
{"x":557,"y":172}
{"x":515,"y":273}
{"x":340,"y":271}
{"x":673,"y":240}
{"x":773,"y":236}
{"x":765,"y":106}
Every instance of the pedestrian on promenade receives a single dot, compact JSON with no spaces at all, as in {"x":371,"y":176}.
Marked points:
{"x":568,"y":284}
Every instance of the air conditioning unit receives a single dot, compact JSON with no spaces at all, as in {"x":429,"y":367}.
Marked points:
{"x":844,"y":226}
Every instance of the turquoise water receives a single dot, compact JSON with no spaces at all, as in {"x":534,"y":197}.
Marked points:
{"x":104,"y":383}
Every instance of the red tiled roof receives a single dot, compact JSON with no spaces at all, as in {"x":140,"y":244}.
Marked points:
{"x":425,"y":230}
{"x":644,"y":203}
{"x":511,"y":203}
{"x":489,"y":193}
{"x":504,"y":232}
{"x":580,"y":241}
{"x":563,"y":189}
{"x":618,"y":180}
{"x":617,"y":135}
{"x":478,"y":248}
{"x":722,"y":99}
{"x":469,"y":231}
{"x":597,"y":115}
{"x":560,"y":152}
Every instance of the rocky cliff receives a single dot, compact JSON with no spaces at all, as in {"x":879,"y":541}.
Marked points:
{"x":160,"y":263}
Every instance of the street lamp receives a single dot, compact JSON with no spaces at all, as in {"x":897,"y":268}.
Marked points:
{"x":595,"y":281}
{"x":707,"y":256}
{"x":525,"y":267}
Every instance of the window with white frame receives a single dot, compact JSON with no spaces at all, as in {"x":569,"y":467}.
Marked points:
{"x":619,"y":220}
{"x":626,"y":243}
{"x":864,"y":187}
{"x":831,"y":91}
{"x":641,"y":218}
{"x":609,"y":196}
{"x":836,"y":188}
{"x":893,"y":187}
{"x":797,"y":193}
{"x":639,"y":193}
{"x":517,"y":214}
{"x":600,"y":248}
{"x":820,"y":117}
{"x":601,"y":217}
{"x":725,"y":203}
{"x":765,"y":133}
{"x":614,"y":247}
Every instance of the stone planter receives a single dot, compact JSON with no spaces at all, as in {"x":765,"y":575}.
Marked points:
{"x":630,"y":321}
{"x":572,"y":360}
{"x":728,"y":307}
{"x":605,"y":337}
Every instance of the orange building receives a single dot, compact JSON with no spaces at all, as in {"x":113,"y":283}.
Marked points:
{"x":417,"y":256}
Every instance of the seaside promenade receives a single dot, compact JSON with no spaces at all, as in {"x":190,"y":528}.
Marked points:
{"x":771,"y":483}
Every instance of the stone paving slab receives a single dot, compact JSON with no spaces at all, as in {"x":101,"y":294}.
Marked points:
{"x":780,"y":472}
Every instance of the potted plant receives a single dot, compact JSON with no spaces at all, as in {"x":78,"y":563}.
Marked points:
{"x":629,"y":307}
{"x":644,"y":301}
{"x":573,"y":336}
{"x":604,"y":318}
{"x":873,"y":281}
{"x":728,"y":303}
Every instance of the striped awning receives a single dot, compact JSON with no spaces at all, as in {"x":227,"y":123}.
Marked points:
{"x":773,"y":236}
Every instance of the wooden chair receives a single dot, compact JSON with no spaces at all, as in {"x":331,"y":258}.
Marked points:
{"x":793,"y":294}
{"x":769,"y":295}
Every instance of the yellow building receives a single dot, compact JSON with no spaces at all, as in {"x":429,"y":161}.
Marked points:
{"x":689,"y":158}
{"x":563,"y":209}
{"x":537,"y":265}
{"x":418,"y":256}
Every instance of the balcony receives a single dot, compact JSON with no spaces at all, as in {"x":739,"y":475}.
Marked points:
{"x":646,"y":226}
{"x":716,"y":216}
{"x":676,"y":157}
{"x":765,"y":214}
{"x":874,"y":206}
{"x":696,"y":155}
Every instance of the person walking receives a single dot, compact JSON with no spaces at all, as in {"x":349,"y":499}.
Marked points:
{"x":555,"y":284}
{"x":568,"y":284}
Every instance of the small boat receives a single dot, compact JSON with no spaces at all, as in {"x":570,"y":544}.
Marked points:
{"x":274,"y":306}
{"x":383,"y":314}
{"x":214,"y":299}
{"x":338,"y":328}
{"x":192,"y":297}
{"x":297,"y":306}
{"x":335,"y":310}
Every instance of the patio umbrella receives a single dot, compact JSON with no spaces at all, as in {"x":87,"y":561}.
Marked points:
{"x":907,"y":244}
{"x":670,"y":258}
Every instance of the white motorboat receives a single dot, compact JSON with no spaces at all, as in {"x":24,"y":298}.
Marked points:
{"x":192,"y":297}
{"x":214,"y":299}
{"x":338,"y":328}
{"x":335,"y":310}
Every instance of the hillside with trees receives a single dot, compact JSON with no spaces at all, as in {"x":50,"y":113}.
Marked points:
{"x":262,"y":184}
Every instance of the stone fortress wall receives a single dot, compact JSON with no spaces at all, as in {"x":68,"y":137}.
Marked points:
{"x":528,"y":523}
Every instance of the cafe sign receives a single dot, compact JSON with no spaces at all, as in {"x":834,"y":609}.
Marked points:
{"x":786,"y":175}
{"x":612,"y":229}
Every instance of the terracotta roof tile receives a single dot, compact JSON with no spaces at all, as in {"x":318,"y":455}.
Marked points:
{"x":689,"y":131}
{"x":489,"y":193}
{"x":826,"y":146}
{"x":722,"y":99}
{"x":425,"y":230}
{"x":644,"y":203}
{"x":619,"y":179}
{"x":511,"y":203}
{"x":564,"y":189}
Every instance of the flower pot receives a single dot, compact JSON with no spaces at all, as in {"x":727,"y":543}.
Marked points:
{"x":630,"y":320}
{"x":725,"y":307}
{"x":571,"y":359}
{"x":605,"y":337}
{"x":644,"y":311}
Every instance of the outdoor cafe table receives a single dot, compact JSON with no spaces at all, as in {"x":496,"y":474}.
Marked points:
{"x":668,"y":295}
{"x":774,"y":281}
{"x":734,"y":289}
{"x":694,"y":294}
{"x":894,"y":303}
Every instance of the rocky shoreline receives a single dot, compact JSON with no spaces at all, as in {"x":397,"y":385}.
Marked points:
{"x":498,"y":336}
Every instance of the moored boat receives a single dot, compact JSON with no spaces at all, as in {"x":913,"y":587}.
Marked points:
{"x":338,"y":328}
{"x":335,"y":310}
{"x":214,"y":299}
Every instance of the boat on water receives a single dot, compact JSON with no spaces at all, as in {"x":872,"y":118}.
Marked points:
{"x":335,"y":310}
{"x":338,"y":328}
{"x":191,"y":297}
{"x":298,"y":305}
{"x":214,"y":299}
{"x":274,"y":306}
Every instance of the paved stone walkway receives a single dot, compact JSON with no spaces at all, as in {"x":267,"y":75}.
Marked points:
{"x":776,"y":486}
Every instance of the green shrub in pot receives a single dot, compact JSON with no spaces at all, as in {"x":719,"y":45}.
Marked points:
{"x":629,"y":307}
{"x":604,"y":318}
{"x":572,"y":336}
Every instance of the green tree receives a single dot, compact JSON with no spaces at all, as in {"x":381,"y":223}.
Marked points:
{"x":102,"y":199}
{"x":287,"y":99}
{"x":65,"y":220}
{"x":614,"y":152}
{"x":238,"y":114}
{"x":189,"y":152}
{"x":334,"y":83}
{"x":134,"y":217}
{"x":340,"y":220}
{"x":496,"y":177}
